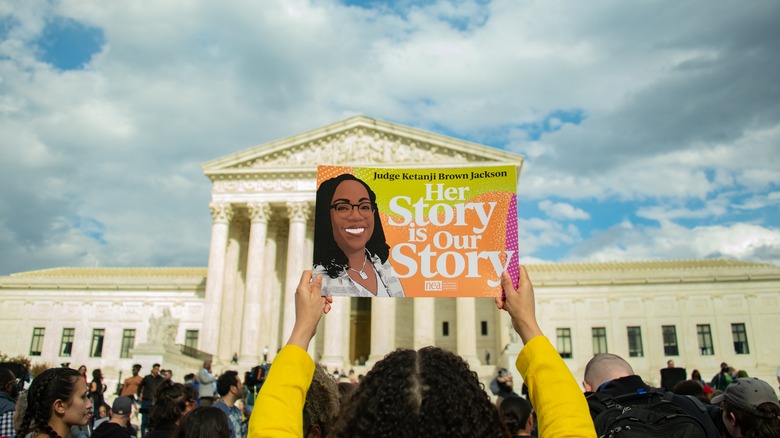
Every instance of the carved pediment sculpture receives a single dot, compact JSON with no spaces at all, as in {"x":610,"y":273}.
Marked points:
{"x":362,"y":145}
{"x":357,"y":141}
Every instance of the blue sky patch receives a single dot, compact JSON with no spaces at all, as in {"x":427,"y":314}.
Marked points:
{"x":552,"y":122}
{"x":397,"y":6}
{"x":91,"y":228}
{"x":6,"y":23}
{"x":68,"y":44}
{"x":604,"y":214}
{"x":461,"y":21}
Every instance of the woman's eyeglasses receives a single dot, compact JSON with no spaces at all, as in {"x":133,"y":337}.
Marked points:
{"x":344,"y":209}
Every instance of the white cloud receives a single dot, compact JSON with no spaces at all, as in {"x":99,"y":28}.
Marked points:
{"x":563,"y":211}
{"x":712,"y":209}
{"x":537,"y":233}
{"x":672,"y":241}
{"x":760,"y":201}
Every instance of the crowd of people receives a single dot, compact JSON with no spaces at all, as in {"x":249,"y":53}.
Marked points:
{"x":427,"y":392}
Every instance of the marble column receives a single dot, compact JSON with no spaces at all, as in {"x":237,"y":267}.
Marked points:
{"x":221,"y":214}
{"x":467,"y":326}
{"x":424,"y":322}
{"x":251,"y":348}
{"x":298,"y":213}
{"x":336,"y":330}
{"x":271,"y":302}
{"x":232,"y":295}
{"x":382,"y":328}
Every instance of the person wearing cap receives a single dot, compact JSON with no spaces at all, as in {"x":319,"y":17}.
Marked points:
{"x":750,"y":409}
{"x":119,"y":424}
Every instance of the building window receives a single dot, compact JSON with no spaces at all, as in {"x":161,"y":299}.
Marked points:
{"x":484,"y":328}
{"x":739,"y":334}
{"x":670,"y":340}
{"x":96,"y":350}
{"x":36,"y":345}
{"x":190,"y":343}
{"x":445,"y":328}
{"x":66,"y":346}
{"x":191,"y":339}
{"x":599,"y":340}
{"x":128,"y":342}
{"x":564,"y":342}
{"x":704,"y":334}
{"x":635,"y":342}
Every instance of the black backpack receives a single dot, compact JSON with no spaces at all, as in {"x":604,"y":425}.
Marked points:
{"x":654,"y":413}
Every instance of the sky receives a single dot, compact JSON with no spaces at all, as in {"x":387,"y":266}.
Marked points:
{"x":650,"y":129}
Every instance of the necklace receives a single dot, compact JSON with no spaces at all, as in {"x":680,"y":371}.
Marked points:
{"x":362,"y":274}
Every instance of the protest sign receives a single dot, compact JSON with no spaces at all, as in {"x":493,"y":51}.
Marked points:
{"x":432,"y":232}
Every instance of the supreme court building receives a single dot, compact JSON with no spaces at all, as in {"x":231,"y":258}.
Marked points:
{"x":698,"y":313}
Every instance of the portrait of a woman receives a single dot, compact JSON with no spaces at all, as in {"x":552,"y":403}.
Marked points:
{"x":350,"y":251}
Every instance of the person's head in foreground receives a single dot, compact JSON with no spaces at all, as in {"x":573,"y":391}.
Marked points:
{"x":603,"y":368}
{"x":57,"y":399}
{"x":346,"y":221}
{"x":203,"y":422}
{"x":517,"y":415}
{"x":750,"y":409}
{"x":322,"y":404}
{"x":430,"y":392}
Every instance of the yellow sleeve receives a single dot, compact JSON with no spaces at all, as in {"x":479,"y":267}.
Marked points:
{"x":560,"y":405}
{"x":278,"y":410}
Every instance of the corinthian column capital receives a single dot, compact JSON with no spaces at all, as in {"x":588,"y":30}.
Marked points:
{"x":298,"y":211}
{"x":221,"y":212}
{"x":259,"y":212}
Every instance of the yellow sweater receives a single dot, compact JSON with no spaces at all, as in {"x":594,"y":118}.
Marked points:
{"x":278,"y":410}
{"x":560,"y":405}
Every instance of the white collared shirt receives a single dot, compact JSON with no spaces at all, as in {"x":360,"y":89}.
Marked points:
{"x":388,"y":284}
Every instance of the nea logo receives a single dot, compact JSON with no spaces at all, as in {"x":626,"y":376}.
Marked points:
{"x":433,"y":286}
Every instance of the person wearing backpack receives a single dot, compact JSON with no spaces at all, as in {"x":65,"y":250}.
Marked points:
{"x":623,"y":405}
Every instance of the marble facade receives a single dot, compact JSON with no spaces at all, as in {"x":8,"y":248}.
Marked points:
{"x":261,"y":239}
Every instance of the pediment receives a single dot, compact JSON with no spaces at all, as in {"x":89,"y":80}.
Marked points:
{"x":358,"y":141}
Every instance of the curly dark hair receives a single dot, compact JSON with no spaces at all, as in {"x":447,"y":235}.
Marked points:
{"x":430,"y":392}
{"x":51,"y":385}
{"x":170,"y":403}
{"x":322,"y":402}
{"x":326,"y":252}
